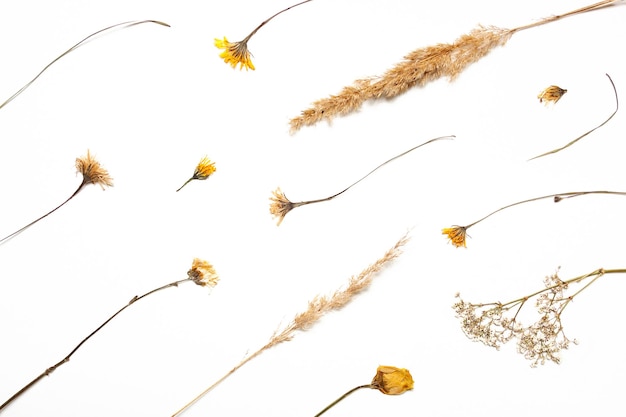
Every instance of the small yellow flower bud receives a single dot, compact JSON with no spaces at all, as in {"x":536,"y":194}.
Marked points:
{"x":392,"y":381}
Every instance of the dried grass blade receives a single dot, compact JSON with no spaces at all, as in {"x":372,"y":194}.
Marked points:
{"x":587,"y":133}
{"x":76,"y":46}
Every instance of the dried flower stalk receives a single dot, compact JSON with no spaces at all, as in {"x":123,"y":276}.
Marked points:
{"x":388,"y":379}
{"x":280,"y":204}
{"x":78,"y":45}
{"x":201,"y":273}
{"x":495,"y":324}
{"x":419,"y":68}
{"x":457,"y":234}
{"x":318,"y":307}
{"x":92,"y":172}
{"x":591,"y":131}
{"x":237,"y":53}
{"x":204,"y":170}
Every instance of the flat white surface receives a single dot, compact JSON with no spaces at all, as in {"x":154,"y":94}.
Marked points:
{"x":151,"y":101}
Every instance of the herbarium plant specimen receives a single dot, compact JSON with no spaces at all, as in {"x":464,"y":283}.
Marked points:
{"x":280,"y":204}
{"x":203,"y":170}
{"x":318,"y":307}
{"x":92,"y":172}
{"x":237,"y":53}
{"x":419,"y":68}
{"x":496,"y":323}
{"x":202,"y":273}
{"x":551,"y":94}
{"x":78,"y":45}
{"x":457,"y":234}
{"x":388,"y":379}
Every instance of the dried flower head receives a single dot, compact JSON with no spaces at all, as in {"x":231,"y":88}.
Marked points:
{"x":456,"y":235}
{"x":203,"y":273}
{"x":280,"y":205}
{"x":204,"y":170}
{"x":392,"y":381}
{"x":235,"y":53}
{"x":551,"y":94}
{"x":93,"y":172}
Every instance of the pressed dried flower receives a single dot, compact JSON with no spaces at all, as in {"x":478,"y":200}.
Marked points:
{"x":203,"y":273}
{"x":551,"y":94}
{"x":204,"y":170}
{"x":456,"y":235}
{"x":392,"y":381}
{"x":280,"y":205}
{"x":93,"y":172}
{"x":235,"y":53}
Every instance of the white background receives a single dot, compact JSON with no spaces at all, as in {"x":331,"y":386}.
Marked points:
{"x":150,"y":102}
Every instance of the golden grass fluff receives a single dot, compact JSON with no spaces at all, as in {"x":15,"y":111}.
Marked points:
{"x":419,"y":68}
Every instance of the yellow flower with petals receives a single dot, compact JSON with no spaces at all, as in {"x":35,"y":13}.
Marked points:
{"x":235,"y":53}
{"x":456,"y":234}
{"x":203,"y":171}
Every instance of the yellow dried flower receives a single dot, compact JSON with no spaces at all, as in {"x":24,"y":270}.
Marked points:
{"x":235,"y":53}
{"x":551,"y":94}
{"x":280,"y":205}
{"x":203,"y":171}
{"x":93,"y":172}
{"x":456,"y":234}
{"x":203,"y":273}
{"x":392,"y":381}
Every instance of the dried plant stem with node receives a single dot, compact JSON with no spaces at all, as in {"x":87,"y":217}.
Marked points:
{"x":92,"y":172}
{"x":388,"y":379}
{"x":457,"y":234}
{"x":78,"y":45}
{"x":237,"y":53}
{"x":318,"y":307}
{"x":419,"y":68}
{"x":201,"y":273}
{"x":495,"y":324}
{"x":590,"y":131}
{"x":280,"y":204}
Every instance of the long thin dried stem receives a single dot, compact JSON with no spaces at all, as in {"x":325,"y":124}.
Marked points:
{"x":318,"y":307}
{"x":76,"y":46}
{"x":66,"y":359}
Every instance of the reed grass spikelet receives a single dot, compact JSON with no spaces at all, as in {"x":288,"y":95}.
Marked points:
{"x":318,"y":307}
{"x":419,"y":68}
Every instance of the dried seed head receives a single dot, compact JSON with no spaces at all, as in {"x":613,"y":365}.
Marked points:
{"x":280,"y":205}
{"x":93,"y":172}
{"x":204,"y":170}
{"x":551,"y":94}
{"x":456,"y":234}
{"x":203,"y":274}
{"x":235,"y":53}
{"x":392,"y":381}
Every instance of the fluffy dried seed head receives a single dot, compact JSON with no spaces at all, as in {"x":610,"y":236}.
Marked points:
{"x":93,"y":172}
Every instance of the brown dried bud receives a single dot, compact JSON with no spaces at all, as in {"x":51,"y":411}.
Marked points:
{"x":392,"y":381}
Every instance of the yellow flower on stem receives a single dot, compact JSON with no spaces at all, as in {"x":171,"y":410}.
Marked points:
{"x":388,"y":379}
{"x":203,"y":171}
{"x":235,"y":53}
{"x":203,"y":273}
{"x":456,"y":234}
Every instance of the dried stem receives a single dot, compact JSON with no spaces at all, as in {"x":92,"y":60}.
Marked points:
{"x":318,"y":307}
{"x":331,"y":405}
{"x":247,"y":38}
{"x":66,"y":359}
{"x":76,"y":46}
